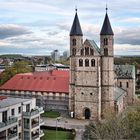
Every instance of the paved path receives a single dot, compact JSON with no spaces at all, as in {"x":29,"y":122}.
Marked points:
{"x":78,"y":125}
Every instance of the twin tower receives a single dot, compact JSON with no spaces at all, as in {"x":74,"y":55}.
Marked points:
{"x":91,"y":88}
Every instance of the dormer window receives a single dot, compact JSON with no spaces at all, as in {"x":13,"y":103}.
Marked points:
{"x":74,"y":42}
{"x":105,"y":41}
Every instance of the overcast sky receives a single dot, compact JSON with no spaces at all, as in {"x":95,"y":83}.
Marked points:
{"x":36,"y":27}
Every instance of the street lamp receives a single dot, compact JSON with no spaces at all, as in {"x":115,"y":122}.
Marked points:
{"x":57,"y":120}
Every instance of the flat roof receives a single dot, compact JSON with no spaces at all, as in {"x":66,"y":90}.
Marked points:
{"x":6,"y":101}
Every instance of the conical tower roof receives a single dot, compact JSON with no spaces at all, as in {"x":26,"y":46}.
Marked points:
{"x":76,"y":28}
{"x":106,"y":28}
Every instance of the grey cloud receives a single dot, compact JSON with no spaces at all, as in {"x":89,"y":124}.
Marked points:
{"x":128,"y":36}
{"x":10,"y":30}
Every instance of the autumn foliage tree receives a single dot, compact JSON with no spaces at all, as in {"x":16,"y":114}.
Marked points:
{"x":18,"y":67}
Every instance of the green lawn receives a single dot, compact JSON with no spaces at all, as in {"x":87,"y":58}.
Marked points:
{"x":50,"y":114}
{"x":60,"y":135}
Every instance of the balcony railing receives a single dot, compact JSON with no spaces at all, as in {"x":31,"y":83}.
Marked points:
{"x":8,"y":122}
{"x":35,"y":136}
{"x":33,"y":112}
{"x":10,"y":136}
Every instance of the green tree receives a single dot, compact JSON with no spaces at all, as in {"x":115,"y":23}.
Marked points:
{"x":18,"y":67}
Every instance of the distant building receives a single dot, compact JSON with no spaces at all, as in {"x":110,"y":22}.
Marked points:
{"x":66,"y":54}
{"x":55,"y":55}
{"x":20,"y":119}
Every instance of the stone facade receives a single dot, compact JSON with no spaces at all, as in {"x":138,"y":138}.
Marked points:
{"x":93,"y":85}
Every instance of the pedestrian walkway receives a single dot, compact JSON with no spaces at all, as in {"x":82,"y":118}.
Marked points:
{"x":67,"y":123}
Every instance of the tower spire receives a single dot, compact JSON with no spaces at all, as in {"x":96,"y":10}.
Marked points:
{"x":106,"y":8}
{"x":76,"y":28}
{"x":106,"y":28}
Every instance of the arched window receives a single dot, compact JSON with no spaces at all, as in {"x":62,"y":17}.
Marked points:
{"x":91,"y":51}
{"x":127,"y":84}
{"x":86,"y":63}
{"x":92,"y":63}
{"x":73,"y":51}
{"x":106,"y":51}
{"x":74,"y":42}
{"x":120,"y":84}
{"x":80,"y":62}
{"x":87,"y":51}
{"x":105,"y":41}
{"x":82,"y":51}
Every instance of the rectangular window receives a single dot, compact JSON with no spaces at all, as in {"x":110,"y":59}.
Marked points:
{"x":19,"y":109}
{"x":4,"y":116}
{"x":13,"y":112}
{"x":28,"y":108}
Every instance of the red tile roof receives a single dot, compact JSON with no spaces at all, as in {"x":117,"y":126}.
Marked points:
{"x":48,"y":81}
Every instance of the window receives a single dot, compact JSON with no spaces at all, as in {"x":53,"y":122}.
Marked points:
{"x":82,"y":93}
{"x":19,"y":123}
{"x":4,"y":116}
{"x":80,"y":62}
{"x":91,"y":51}
{"x":13,"y":112}
{"x":92,"y":63}
{"x":127,"y":84}
{"x":82,"y":51}
{"x":105,"y":41}
{"x":87,"y":63}
{"x":74,"y":42}
{"x":86,"y":51}
{"x":120,"y":84}
{"x":73,"y":51}
{"x":90,"y":93}
{"x":19,"y":109}
{"x":105,"y":51}
{"x":28,"y":108}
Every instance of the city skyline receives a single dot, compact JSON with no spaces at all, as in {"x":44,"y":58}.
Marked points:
{"x":37,"y":27}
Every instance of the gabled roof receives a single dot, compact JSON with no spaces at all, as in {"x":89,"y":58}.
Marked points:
{"x":106,"y":28}
{"x":94,"y":45}
{"x":48,"y":81}
{"x":76,"y":28}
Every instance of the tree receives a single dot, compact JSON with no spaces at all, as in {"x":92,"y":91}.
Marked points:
{"x":116,"y":127}
{"x":18,"y":67}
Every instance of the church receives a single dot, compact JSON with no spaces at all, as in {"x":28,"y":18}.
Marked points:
{"x":96,"y":84}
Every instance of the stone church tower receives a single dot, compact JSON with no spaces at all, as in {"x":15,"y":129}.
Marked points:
{"x":85,"y":88}
{"x":107,"y":65}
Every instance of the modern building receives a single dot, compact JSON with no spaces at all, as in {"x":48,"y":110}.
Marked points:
{"x":55,"y":55}
{"x":20,"y":119}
